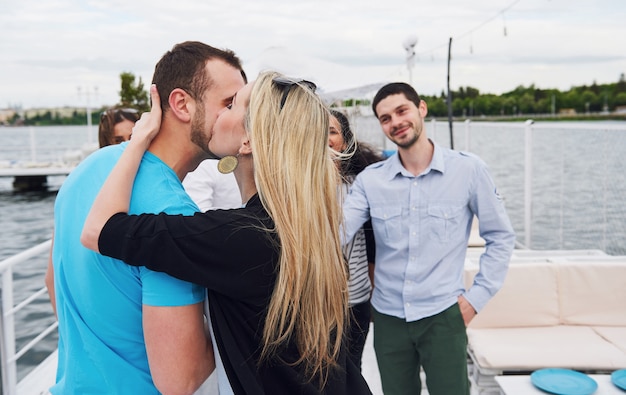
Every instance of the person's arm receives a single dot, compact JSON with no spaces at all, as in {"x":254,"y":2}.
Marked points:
{"x":205,"y":248}
{"x":49,"y":279}
{"x":179,"y":349}
{"x":114,"y":196}
{"x":467,"y":310}
{"x":496,"y":229}
{"x":370,"y":246}
{"x":355,"y":210}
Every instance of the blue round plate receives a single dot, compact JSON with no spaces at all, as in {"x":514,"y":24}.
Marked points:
{"x":619,"y":378}
{"x":563,"y":382}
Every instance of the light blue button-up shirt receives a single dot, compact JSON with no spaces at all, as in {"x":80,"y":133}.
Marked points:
{"x":422,"y":225}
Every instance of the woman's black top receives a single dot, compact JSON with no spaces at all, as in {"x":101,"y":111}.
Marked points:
{"x":233,"y":255}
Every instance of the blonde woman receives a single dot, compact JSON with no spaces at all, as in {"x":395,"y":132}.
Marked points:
{"x":360,"y":250}
{"x":273,"y":269}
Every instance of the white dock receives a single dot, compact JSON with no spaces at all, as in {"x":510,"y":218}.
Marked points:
{"x":34,"y":176}
{"x":34,"y":171}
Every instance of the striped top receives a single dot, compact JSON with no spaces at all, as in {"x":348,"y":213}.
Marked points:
{"x":359,"y":285}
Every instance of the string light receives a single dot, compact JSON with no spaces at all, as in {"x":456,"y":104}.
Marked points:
{"x":469,"y":32}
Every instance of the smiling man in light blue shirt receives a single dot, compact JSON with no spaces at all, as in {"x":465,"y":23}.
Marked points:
{"x":422,"y":201}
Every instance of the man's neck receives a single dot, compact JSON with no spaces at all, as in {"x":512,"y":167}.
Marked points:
{"x":418,"y":156}
{"x":176,"y":151}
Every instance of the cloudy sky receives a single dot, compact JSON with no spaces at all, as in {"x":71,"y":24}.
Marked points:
{"x":71,"y":52}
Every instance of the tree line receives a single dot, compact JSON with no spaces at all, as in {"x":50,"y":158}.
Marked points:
{"x":524,"y":101}
{"x":467,"y":102}
{"x":132,"y":95}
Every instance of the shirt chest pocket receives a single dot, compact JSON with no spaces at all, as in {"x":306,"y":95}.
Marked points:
{"x":444,"y":221}
{"x":387,"y":222}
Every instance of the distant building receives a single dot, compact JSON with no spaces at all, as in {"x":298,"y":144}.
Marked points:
{"x":62,"y":111}
{"x":6,"y":115}
{"x":567,"y":111}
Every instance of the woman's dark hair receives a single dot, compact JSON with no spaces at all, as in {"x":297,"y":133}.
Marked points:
{"x":363,"y":154}
{"x":110,"y":118}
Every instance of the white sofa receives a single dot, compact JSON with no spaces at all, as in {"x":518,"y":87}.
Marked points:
{"x":561,"y":313}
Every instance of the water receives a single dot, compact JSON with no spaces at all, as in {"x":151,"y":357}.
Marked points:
{"x":579,"y":190}
{"x":578,"y":179}
{"x":26,"y":219}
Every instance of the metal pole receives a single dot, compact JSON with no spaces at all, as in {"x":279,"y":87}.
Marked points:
{"x":7,"y":316}
{"x":4,"y":368}
{"x":528,"y":177}
{"x":449,"y":99}
{"x":433,"y":132}
{"x":409,"y":46}
{"x":467,"y":134}
{"x":89,"y":137}
{"x":33,"y":151}
{"x":9,"y":368}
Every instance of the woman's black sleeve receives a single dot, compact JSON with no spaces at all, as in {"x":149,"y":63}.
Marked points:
{"x":223,"y":250}
{"x":370,"y":242}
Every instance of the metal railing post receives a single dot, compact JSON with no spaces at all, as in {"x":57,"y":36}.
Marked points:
{"x":9,"y":365}
{"x":3,"y":354}
{"x":528,"y":178}
{"x":433,"y":129}
{"x":468,"y":133}
{"x":7,"y":317}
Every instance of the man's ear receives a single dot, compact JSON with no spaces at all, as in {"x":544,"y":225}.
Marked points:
{"x":181,"y":105}
{"x":423,"y":109}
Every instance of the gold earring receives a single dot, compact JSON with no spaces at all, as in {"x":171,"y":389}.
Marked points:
{"x":227,"y":164}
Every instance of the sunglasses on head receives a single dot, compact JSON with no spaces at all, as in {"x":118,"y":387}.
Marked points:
{"x":129,"y":111}
{"x":286,"y":84}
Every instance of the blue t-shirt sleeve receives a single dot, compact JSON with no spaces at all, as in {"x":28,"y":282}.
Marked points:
{"x":160,"y":289}
{"x":157,"y":189}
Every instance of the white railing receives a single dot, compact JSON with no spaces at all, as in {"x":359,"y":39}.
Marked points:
{"x":563,"y":185}
{"x":563,"y":182}
{"x":9,"y":354}
{"x":572,"y":185}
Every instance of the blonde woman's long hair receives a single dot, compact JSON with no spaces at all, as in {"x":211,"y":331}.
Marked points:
{"x":297,"y":184}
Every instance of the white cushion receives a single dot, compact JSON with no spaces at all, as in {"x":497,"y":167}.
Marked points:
{"x":613,"y":334}
{"x":593,"y":293}
{"x":528,"y":298}
{"x":525,"y":349}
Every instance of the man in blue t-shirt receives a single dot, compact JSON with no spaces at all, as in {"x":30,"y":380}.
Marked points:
{"x":129,"y":330}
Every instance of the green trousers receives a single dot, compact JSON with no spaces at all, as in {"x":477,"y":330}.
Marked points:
{"x":437,"y":343}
